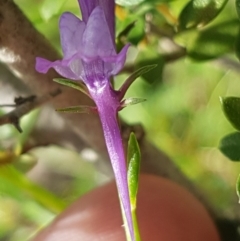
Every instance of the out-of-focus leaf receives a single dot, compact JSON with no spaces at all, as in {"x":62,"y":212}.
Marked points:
{"x":211,"y":42}
{"x":138,"y":32}
{"x":25,"y":162}
{"x":230,"y":146}
{"x":238,"y":187}
{"x":133,"y":29}
{"x":50,"y":8}
{"x":237,"y":44}
{"x":122,"y":36}
{"x":237,"y":3}
{"x":27,"y":123}
{"x":198,"y":13}
{"x":20,"y":181}
{"x":128,"y":2}
{"x":231,"y":108}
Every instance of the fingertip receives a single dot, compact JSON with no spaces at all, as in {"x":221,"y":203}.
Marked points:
{"x":165,"y":211}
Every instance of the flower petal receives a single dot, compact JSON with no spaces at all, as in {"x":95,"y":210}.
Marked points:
{"x":87,"y":6}
{"x":43,"y":65}
{"x":71,"y":31}
{"x":97,"y":41}
{"x":116,"y":62}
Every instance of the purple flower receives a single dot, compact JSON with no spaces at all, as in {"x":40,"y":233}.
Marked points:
{"x":90,"y":56}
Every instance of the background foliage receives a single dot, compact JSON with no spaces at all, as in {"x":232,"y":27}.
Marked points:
{"x":195,"y":45}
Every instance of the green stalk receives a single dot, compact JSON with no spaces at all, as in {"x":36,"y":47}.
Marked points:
{"x":41,"y":195}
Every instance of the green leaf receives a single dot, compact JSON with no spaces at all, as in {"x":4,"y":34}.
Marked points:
{"x":133,"y":158}
{"x":20,"y":181}
{"x":231,"y":109}
{"x":133,"y":29}
{"x":211,"y":42}
{"x":145,"y":59}
{"x":238,"y":187}
{"x":131,"y":101}
{"x":230,"y":146}
{"x":25,"y":162}
{"x":198,"y":13}
{"x":27,"y":124}
{"x":75,"y":85}
{"x":237,"y":44}
{"x":141,"y":71}
{"x":50,"y":8}
{"x":77,"y":109}
{"x":237,"y":4}
{"x":128,"y":2}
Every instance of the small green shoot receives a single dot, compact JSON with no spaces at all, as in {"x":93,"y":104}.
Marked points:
{"x":75,"y":85}
{"x":134,"y":158}
{"x":77,"y":109}
{"x":133,"y":77}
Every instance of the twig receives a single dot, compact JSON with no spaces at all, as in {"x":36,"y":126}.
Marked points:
{"x":24,"y":106}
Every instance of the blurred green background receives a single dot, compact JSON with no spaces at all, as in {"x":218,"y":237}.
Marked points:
{"x":182,"y":115}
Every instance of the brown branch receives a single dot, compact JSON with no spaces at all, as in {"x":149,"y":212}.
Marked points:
{"x":24,"y":106}
{"x":20,"y":44}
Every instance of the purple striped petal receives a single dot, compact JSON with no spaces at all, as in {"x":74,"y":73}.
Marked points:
{"x":96,"y":40}
{"x":117,"y":61}
{"x":43,"y":65}
{"x":71,"y":31}
{"x":87,"y":6}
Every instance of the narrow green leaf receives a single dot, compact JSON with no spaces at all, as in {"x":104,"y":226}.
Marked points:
{"x":77,"y":109}
{"x":133,"y":158}
{"x":230,"y":146}
{"x":131,"y":101}
{"x":231,"y":109}
{"x":198,"y":13}
{"x":133,"y":77}
{"x":238,"y":188}
{"x":75,"y":85}
{"x":149,"y":57}
{"x":19,"y":180}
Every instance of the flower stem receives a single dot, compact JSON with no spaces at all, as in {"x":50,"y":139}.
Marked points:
{"x":107,"y":104}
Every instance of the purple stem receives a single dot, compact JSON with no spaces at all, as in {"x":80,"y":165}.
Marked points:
{"x":107,"y":102}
